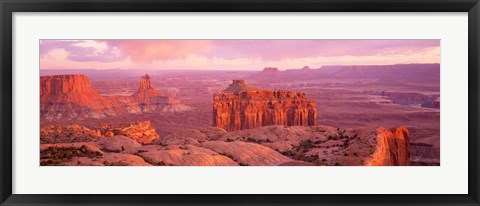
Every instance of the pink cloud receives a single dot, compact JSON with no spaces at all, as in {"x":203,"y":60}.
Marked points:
{"x":151,"y":50}
{"x":80,"y":53}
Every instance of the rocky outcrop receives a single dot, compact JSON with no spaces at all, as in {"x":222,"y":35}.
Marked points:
{"x":69,"y":133}
{"x":141,"y":132}
{"x":64,"y":97}
{"x":242,"y":106}
{"x":330,"y":146}
{"x":85,"y":154}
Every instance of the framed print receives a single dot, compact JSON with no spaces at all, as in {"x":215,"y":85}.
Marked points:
{"x":211,"y":102}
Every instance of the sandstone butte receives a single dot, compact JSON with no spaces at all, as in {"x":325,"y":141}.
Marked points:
{"x":242,"y":106}
{"x":71,"y":96}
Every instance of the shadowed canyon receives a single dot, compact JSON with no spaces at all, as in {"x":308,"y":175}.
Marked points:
{"x":375,"y":115}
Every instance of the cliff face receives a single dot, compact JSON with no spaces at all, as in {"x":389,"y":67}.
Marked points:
{"x":392,"y":148}
{"x":241,"y":106}
{"x":68,"y":89}
{"x":71,"y":97}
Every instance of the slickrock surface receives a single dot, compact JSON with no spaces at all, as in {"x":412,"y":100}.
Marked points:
{"x":64,"y":97}
{"x":185,"y":155}
{"x":119,"y":144}
{"x":265,"y":146}
{"x":242,"y":106}
{"x":247,"y":153}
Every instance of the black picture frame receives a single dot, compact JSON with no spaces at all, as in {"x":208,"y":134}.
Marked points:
{"x":7,"y":7}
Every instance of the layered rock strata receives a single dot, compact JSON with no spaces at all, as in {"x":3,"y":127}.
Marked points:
{"x":242,"y":106}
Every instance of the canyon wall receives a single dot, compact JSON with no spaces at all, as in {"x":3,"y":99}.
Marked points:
{"x":392,"y":148}
{"x":242,"y":106}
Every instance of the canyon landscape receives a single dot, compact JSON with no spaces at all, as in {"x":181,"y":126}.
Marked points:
{"x":363,"y":103}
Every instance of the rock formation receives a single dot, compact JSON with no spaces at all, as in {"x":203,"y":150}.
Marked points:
{"x":242,"y":106}
{"x":70,"y":96}
{"x":146,"y":90}
{"x":264,"y":146}
{"x":392,"y":148}
{"x":306,"y":68}
{"x":149,"y":99}
{"x":64,"y":97}
{"x":141,"y":132}
{"x":325,"y":145}
{"x":270,"y":71}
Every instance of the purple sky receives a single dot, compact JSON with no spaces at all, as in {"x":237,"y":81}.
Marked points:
{"x":231,"y":54}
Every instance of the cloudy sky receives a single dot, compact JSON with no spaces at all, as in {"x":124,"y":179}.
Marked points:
{"x":231,"y":54}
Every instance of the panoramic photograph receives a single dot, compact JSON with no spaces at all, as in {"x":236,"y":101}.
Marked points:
{"x":239,"y":102}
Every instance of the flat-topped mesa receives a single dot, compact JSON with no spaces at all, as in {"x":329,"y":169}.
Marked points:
{"x":71,"y":96}
{"x":73,"y":88}
{"x":146,"y":90}
{"x":306,"y":68}
{"x":242,"y":106}
{"x":270,"y":71}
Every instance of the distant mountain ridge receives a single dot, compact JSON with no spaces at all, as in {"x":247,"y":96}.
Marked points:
{"x":387,"y":72}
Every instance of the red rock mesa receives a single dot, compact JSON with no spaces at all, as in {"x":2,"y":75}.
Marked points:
{"x":70,"y":96}
{"x":242,"y":106}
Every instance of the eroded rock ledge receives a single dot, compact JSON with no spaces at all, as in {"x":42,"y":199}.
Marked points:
{"x":138,"y":144}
